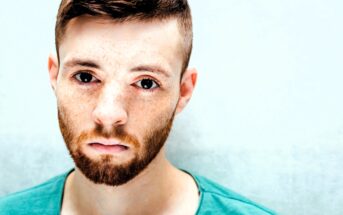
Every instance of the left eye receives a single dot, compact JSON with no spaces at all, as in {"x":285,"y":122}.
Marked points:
{"x":85,"y":77}
{"x":147,"y":84}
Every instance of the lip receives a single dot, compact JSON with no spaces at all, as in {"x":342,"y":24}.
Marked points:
{"x":108,"y":146}
{"x":107,"y":142}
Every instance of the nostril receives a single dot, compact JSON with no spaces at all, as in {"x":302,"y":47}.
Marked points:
{"x":112,"y":116}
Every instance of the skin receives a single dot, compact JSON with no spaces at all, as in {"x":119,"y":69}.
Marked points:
{"x":115,"y":98}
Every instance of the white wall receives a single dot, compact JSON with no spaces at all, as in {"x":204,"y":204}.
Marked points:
{"x":266,"y":119}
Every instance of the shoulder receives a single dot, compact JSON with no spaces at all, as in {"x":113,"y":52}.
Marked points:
{"x":216,"y":199}
{"x":41,"y":199}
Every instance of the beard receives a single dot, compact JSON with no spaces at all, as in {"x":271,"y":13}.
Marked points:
{"x":104,"y":170}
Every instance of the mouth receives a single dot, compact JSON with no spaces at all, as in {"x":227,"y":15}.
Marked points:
{"x":108,"y":147}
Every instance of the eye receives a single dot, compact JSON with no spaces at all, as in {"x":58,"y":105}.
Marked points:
{"x":147,"y":84}
{"x":85,"y":77}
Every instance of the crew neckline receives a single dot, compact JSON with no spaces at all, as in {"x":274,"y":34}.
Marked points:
{"x":196,"y":181}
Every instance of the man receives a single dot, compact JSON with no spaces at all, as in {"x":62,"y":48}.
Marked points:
{"x":120,"y":76}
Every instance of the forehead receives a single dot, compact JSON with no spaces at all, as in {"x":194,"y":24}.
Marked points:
{"x":110,"y":41}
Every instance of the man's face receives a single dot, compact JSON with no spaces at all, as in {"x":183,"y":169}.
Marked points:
{"x":117,"y":88}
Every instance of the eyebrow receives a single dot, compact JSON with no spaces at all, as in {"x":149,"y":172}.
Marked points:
{"x":81,"y":62}
{"x":89,"y":63}
{"x":151,"y":68}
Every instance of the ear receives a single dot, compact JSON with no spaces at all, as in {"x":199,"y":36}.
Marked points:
{"x":53,"y":70}
{"x":186,"y":88}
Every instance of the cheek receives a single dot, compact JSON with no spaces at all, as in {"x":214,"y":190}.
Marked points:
{"x":149,"y":114}
{"x":77,"y":107}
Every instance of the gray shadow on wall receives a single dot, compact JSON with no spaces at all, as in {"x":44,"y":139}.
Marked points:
{"x":187,"y":149}
{"x":26,"y":161}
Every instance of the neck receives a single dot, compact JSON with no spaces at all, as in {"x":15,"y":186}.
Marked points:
{"x":155,"y":189}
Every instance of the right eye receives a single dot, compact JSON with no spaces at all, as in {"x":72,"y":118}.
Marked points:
{"x":85,"y":77}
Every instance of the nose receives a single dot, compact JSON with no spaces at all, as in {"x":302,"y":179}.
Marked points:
{"x":110,"y":110}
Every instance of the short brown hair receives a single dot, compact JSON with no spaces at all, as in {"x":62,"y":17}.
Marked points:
{"x":126,"y":10}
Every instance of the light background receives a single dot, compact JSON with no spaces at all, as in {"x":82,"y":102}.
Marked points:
{"x":266,"y":118}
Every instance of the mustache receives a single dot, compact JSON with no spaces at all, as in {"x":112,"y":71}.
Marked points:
{"x":115,"y":133}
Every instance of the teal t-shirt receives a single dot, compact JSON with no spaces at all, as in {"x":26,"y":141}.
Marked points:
{"x":47,"y":198}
